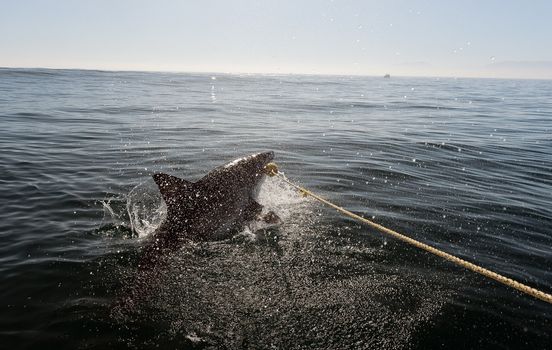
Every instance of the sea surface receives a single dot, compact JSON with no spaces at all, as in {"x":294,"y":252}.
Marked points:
{"x":464,"y":165}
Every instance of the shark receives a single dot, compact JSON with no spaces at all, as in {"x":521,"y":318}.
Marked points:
{"x":220,"y":203}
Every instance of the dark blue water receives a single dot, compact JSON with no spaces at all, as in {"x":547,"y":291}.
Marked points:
{"x":462,"y":164}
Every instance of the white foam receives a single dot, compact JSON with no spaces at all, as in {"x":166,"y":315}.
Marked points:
{"x":277,"y":196}
{"x":146,"y":209}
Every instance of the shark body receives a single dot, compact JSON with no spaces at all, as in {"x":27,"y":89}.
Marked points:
{"x":220,"y":203}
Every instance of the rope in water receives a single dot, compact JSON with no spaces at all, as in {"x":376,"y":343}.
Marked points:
{"x":272,"y":170}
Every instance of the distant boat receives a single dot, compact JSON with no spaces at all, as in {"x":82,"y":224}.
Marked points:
{"x":387,"y":76}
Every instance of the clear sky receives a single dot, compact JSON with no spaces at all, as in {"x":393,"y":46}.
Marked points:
{"x":490,"y":38}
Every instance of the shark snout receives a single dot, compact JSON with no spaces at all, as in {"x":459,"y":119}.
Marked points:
{"x":266,"y":157}
{"x":257,"y":162}
{"x":262,"y":159}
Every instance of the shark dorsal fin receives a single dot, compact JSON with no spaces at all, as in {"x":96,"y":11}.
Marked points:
{"x":171,"y":186}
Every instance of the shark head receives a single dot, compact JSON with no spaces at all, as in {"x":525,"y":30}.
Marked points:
{"x":221,"y":200}
{"x":246,"y":168}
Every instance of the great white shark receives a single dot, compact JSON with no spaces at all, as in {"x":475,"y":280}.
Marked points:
{"x":220,"y":203}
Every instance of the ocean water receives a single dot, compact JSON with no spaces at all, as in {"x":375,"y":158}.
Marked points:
{"x":462,"y":164}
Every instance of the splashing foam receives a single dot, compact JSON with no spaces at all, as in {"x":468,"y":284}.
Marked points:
{"x":277,"y":196}
{"x":146,"y":209}
{"x":280,"y":198}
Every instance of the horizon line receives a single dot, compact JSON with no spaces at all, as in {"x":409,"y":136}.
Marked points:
{"x":271,"y":73}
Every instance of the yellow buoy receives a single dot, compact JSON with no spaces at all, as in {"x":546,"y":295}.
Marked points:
{"x":271,"y":169}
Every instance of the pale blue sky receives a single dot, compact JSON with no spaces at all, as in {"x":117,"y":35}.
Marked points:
{"x":490,"y":38}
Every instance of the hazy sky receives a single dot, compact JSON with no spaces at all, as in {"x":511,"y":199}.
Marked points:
{"x":492,"y":38}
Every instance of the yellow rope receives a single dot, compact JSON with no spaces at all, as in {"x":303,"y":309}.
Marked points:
{"x":272,"y":170}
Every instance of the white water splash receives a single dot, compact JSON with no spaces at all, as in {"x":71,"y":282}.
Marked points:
{"x":146,"y":209}
{"x":108,"y":210}
{"x":113,"y":218}
{"x":278,"y":197}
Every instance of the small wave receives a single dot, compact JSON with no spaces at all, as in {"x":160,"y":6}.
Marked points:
{"x":442,"y":145}
{"x":114,"y":230}
{"x":432,"y":107}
